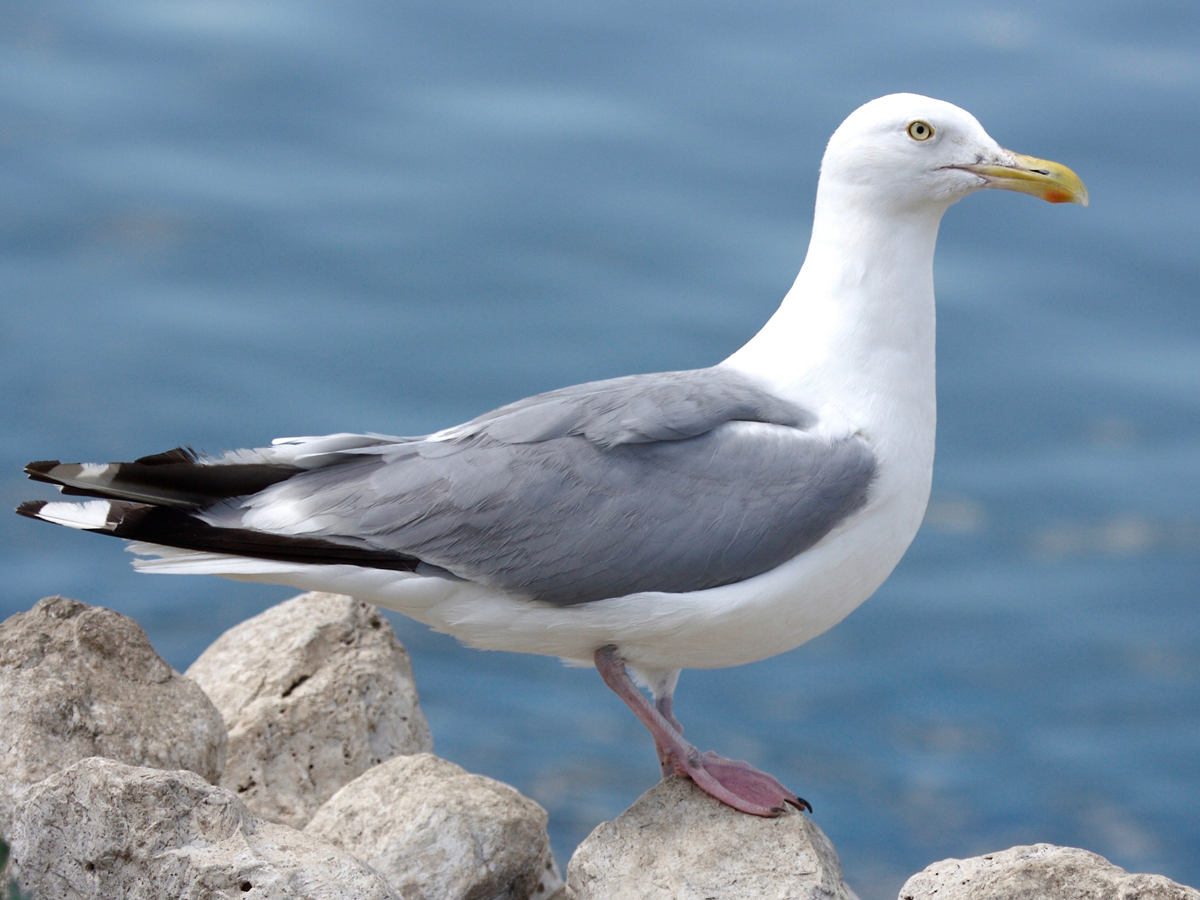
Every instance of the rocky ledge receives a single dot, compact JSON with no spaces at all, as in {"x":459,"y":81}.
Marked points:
{"x":1040,"y":872}
{"x":293,"y":761}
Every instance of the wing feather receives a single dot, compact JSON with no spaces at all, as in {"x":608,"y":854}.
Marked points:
{"x":671,"y":482}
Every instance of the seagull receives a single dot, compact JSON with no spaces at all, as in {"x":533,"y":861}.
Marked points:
{"x":644,"y":524}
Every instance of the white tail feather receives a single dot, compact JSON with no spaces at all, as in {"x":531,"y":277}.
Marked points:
{"x":88,"y":516}
{"x":176,"y":561}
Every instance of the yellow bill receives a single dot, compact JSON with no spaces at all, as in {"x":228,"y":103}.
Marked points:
{"x":1040,"y":177}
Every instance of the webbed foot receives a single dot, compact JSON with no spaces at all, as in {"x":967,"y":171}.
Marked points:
{"x":739,"y":784}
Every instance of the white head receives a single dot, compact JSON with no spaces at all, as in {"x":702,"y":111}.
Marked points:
{"x":908,"y":152}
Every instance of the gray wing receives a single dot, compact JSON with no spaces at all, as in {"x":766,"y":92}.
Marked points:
{"x":637,"y":409}
{"x":670,"y":482}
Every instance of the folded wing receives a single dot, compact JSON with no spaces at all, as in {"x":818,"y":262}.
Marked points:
{"x":669,"y":482}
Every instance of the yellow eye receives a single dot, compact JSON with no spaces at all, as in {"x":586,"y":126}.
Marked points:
{"x":920,"y":131}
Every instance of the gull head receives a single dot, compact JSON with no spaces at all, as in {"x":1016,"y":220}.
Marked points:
{"x":908,"y":152}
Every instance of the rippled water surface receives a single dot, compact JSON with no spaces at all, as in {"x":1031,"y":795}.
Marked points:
{"x":226,"y":221}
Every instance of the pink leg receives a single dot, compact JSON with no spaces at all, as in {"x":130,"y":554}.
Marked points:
{"x":731,"y":781}
{"x":665,"y":707}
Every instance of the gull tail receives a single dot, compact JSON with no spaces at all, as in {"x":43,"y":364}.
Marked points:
{"x":165,"y":500}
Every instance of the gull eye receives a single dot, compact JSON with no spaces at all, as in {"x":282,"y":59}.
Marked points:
{"x":920,"y":131}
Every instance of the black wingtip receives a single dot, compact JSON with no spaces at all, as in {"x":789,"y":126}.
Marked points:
{"x":38,"y":471}
{"x":176,"y":455}
{"x":30,"y":508}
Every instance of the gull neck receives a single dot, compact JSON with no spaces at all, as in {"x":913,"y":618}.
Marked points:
{"x":859,"y":321}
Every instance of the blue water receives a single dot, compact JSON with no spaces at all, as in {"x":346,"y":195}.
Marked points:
{"x":224,"y":221}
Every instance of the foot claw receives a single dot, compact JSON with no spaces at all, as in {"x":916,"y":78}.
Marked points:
{"x":801,"y":804}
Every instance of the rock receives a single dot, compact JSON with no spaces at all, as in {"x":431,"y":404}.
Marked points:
{"x":676,"y":843}
{"x":79,"y":681}
{"x":1040,"y":872}
{"x":314,"y":692}
{"x":437,"y":832}
{"x":102,"y":829}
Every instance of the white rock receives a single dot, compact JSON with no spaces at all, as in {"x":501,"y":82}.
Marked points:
{"x":79,"y":681}
{"x":437,"y":832}
{"x":314,"y":692}
{"x":101,"y":829}
{"x":678,"y":843}
{"x":1039,"y":872}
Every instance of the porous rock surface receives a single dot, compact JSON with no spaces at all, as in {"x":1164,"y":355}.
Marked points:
{"x":79,"y":681}
{"x":437,"y":832}
{"x":314,"y":692}
{"x":1039,"y":872}
{"x":678,"y":843}
{"x":102,"y":829}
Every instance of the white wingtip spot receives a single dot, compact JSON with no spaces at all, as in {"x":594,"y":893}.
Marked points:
{"x":91,"y":515}
{"x":453,"y":433}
